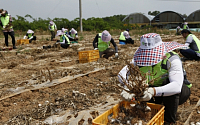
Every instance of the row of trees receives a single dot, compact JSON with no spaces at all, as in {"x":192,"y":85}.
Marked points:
{"x":90,"y":24}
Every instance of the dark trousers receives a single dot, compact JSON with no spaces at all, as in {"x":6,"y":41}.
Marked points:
{"x":34,"y":38}
{"x":189,"y":53}
{"x":107,"y":53}
{"x":129,"y":41}
{"x":52,"y":35}
{"x":65,"y":46}
{"x":12,"y":34}
{"x":171,"y":103}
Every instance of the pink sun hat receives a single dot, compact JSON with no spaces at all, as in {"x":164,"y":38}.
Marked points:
{"x":51,"y":22}
{"x":30,"y":31}
{"x":59,"y":32}
{"x":126,"y":34}
{"x":105,"y":36}
{"x":152,"y":49}
{"x":185,"y":23}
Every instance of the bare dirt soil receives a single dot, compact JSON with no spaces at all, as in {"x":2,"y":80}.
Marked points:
{"x":31,"y":91}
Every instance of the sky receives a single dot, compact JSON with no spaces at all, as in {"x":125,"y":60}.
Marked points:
{"x":94,"y":8}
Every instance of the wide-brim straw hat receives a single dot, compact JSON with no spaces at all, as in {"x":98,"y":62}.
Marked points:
{"x":30,"y":31}
{"x":152,"y":49}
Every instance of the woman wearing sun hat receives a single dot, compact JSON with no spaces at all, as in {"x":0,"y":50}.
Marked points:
{"x":52,"y":28}
{"x":102,"y":42}
{"x":64,"y":40}
{"x":125,"y":38}
{"x":157,"y":57}
{"x":194,"y":46}
{"x":30,"y":34}
{"x":185,"y":26}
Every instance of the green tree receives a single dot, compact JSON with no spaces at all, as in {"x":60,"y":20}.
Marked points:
{"x":154,"y":13}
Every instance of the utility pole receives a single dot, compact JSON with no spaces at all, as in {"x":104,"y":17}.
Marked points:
{"x":80,"y":13}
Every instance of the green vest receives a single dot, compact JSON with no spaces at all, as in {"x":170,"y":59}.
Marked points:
{"x":159,"y":72}
{"x":5,"y":20}
{"x":72,"y":35}
{"x":185,"y":26}
{"x":29,"y":35}
{"x":52,"y":27}
{"x":101,"y":44}
{"x":64,"y":37}
{"x":122,"y":37}
{"x":195,"y":46}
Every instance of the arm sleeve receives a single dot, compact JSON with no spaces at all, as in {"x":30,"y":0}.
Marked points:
{"x":175,"y":77}
{"x":115,"y":45}
{"x":70,"y":38}
{"x":10,"y":18}
{"x":189,"y":39}
{"x":95,"y":41}
{"x":31,"y":37}
{"x":55,"y":27}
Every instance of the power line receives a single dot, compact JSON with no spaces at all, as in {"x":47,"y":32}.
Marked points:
{"x":54,"y":8}
{"x":179,"y":0}
{"x":98,"y":8}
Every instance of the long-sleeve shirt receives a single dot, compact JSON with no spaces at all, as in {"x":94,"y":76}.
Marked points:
{"x":95,"y":43}
{"x":189,"y":41}
{"x":175,"y":75}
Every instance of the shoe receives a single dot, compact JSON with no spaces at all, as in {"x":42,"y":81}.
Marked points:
{"x":14,"y":47}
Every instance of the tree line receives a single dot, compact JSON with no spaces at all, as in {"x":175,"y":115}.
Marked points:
{"x":90,"y":24}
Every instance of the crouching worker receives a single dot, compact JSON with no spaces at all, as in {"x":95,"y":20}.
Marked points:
{"x":125,"y":38}
{"x":102,"y":42}
{"x":170,"y":87}
{"x":64,"y":40}
{"x":73,"y":34}
{"x":30,"y":34}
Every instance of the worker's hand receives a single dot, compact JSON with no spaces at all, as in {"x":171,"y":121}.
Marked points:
{"x":148,"y":94}
{"x":127,"y":96}
{"x":95,"y":48}
{"x":116,"y":55}
{"x":4,"y":27}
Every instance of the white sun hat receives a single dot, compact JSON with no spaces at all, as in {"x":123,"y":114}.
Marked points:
{"x":126,"y":34}
{"x":105,"y":36}
{"x":63,"y":29}
{"x":30,"y":31}
{"x":59,"y":32}
{"x":152,"y":49}
{"x":73,"y":31}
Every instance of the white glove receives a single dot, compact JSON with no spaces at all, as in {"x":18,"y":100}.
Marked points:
{"x":116,"y":55}
{"x":95,"y":48}
{"x":24,"y":37}
{"x":4,"y":26}
{"x":127,"y":96}
{"x":148,"y":94}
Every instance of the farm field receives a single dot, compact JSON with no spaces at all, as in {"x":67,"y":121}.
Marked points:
{"x":50,"y":86}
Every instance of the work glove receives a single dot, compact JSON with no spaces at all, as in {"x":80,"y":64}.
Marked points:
{"x":24,"y":37}
{"x":148,"y":94}
{"x":127,"y":96}
{"x":95,"y":48}
{"x":4,"y":27}
{"x":116,"y":55}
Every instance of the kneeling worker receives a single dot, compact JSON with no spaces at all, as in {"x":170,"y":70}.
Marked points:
{"x":64,"y":40}
{"x":125,"y":38}
{"x":102,"y":42}
{"x":30,"y":34}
